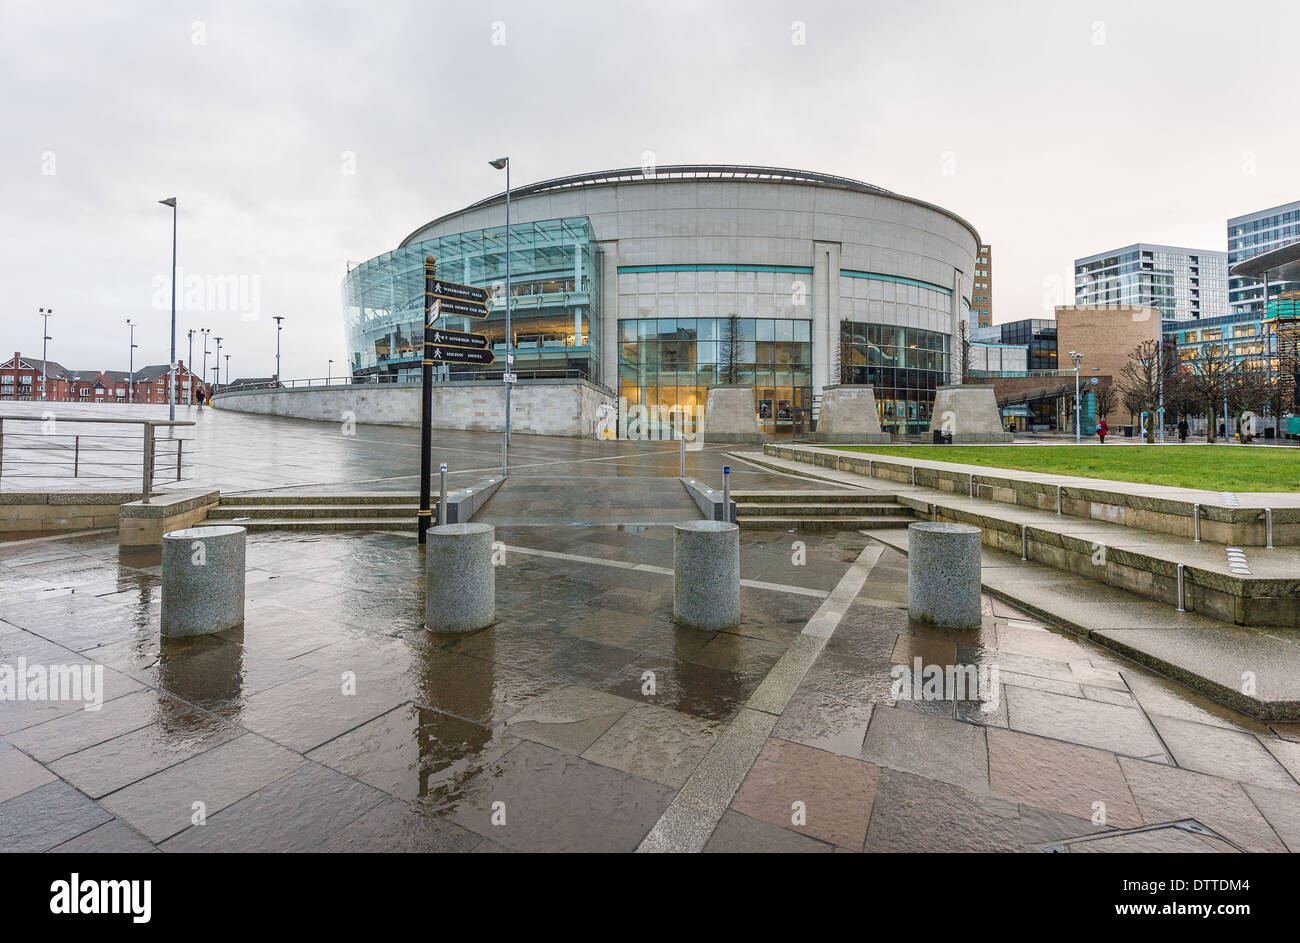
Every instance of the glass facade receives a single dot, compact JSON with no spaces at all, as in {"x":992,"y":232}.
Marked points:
{"x":555,"y":314}
{"x":1252,"y":235}
{"x":670,"y":363}
{"x":905,"y":365}
{"x":1182,"y":284}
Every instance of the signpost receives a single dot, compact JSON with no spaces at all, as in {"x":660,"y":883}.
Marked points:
{"x":444,"y":346}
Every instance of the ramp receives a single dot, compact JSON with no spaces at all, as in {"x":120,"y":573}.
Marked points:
{"x":563,"y":501}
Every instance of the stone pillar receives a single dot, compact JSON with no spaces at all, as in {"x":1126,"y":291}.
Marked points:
{"x":943,"y":574}
{"x":459,"y":579}
{"x":730,"y":416}
{"x":706,"y":575}
{"x":202,"y":580}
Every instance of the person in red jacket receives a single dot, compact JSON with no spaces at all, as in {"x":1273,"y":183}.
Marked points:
{"x":1102,"y":429}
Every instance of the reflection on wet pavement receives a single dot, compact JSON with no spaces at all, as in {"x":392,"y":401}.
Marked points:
{"x":331,"y":721}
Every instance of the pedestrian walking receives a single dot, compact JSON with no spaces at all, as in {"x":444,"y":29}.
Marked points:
{"x":1102,"y":429}
{"x":1182,"y":429}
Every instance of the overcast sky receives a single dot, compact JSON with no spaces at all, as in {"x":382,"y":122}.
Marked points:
{"x":300,"y":136}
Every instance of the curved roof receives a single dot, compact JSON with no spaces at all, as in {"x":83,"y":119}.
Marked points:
{"x":1282,"y":264}
{"x":741,"y":172}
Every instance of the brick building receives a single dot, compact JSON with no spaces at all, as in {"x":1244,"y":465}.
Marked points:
{"x":20,"y":379}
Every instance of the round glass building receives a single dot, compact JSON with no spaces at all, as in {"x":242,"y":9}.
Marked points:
{"x":655,"y":284}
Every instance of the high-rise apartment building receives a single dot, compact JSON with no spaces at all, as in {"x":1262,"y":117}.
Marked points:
{"x":981,"y":298}
{"x":1182,"y":284}
{"x":1252,"y":235}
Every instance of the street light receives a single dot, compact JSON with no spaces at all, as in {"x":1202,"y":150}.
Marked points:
{"x":503,"y":163}
{"x":1077,"y":358}
{"x":189,"y":365}
{"x":278,"y":328}
{"x":130,"y":377}
{"x":171,"y":387}
{"x":227,"y":370}
{"x":45,"y":331}
{"x":217,"y":361}
{"x":203,"y":375}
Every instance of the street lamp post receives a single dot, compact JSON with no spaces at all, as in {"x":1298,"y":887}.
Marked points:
{"x":278,"y":327}
{"x":227,"y":370}
{"x":189,"y":365}
{"x":329,"y":372}
{"x":203,"y":374}
{"x":217,"y":362}
{"x":1077,"y":358}
{"x":45,"y":339}
{"x":171,"y":387}
{"x":1160,"y":377}
{"x":130,"y":377}
{"x":504,"y":163}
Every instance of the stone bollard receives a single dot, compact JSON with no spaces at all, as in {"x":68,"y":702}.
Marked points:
{"x":943,"y":574}
{"x":202,"y":580}
{"x":706,"y":575}
{"x":460,"y":592}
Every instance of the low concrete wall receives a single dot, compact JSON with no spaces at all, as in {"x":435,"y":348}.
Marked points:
{"x":539,"y":407}
{"x":1239,"y":526}
{"x":143,"y":525}
{"x":50,"y":512}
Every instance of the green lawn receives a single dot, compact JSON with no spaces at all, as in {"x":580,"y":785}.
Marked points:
{"x":1212,"y":467}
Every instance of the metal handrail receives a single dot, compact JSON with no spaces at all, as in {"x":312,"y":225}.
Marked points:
{"x":381,"y":378}
{"x":147,"y":438}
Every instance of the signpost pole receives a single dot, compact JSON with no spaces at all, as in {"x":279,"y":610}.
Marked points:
{"x":426,"y":401}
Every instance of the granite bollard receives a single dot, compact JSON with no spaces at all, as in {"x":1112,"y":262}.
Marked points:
{"x":706,"y":575}
{"x":202,"y":580}
{"x":943,"y":574}
{"x":459,"y":580}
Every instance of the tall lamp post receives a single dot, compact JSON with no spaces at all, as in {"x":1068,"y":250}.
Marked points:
{"x":227,"y":370}
{"x":45,"y":340}
{"x":189,"y":366}
{"x":503,"y":163}
{"x":1077,"y":358}
{"x":329,"y":372}
{"x":203,"y":375}
{"x":130,"y":380}
{"x":278,"y":328}
{"x":171,"y":387}
{"x":217,"y":362}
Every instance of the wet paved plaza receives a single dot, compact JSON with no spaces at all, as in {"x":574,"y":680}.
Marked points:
{"x":586,"y":720}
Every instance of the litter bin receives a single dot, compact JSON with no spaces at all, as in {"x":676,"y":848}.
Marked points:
{"x":942,"y":438}
{"x":1128,"y":432}
{"x":1269,"y":432}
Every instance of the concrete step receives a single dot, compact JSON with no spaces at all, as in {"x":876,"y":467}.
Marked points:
{"x":287,"y":499}
{"x":823,"y":510}
{"x":328,"y":525}
{"x":823,"y":524}
{"x":813,"y":497}
{"x":237,"y":512}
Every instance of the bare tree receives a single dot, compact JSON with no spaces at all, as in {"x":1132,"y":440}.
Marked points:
{"x":729,"y":351}
{"x":963,"y":351}
{"x":1211,"y":372}
{"x":1106,"y":400}
{"x":1139,"y":384}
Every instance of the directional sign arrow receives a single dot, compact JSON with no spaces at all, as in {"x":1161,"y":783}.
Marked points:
{"x":440,"y":354}
{"x":455,"y":292}
{"x":466,"y":309}
{"x":445,"y":338}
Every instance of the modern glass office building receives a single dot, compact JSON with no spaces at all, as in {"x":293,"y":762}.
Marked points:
{"x":1255,"y":234}
{"x":1182,"y":284}
{"x":653,"y":284}
{"x":555,"y":282}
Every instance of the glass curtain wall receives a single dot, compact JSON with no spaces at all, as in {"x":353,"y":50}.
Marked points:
{"x":904,"y":365}
{"x":554,"y":274}
{"x":670,"y":363}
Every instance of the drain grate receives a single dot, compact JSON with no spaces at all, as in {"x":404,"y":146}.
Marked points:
{"x":1237,"y":562}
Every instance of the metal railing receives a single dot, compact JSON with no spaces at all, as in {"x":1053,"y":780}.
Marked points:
{"x":50,"y":453}
{"x":391,"y":378}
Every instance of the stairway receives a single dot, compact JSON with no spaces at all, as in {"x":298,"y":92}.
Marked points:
{"x":317,"y":513}
{"x":819,"y":510}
